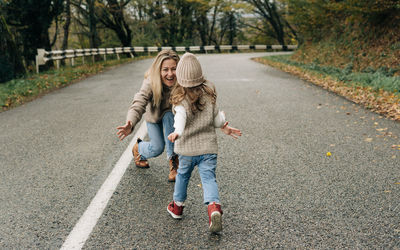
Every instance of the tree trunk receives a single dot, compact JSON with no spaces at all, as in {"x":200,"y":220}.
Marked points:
{"x":67,"y":23}
{"x":93,"y":37}
{"x":11,"y":63}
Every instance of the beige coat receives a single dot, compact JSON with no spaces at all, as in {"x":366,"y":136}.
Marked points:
{"x":143,"y":104}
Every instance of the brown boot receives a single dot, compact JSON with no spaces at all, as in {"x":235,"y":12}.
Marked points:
{"x":173,"y":167}
{"x":136,"y":156}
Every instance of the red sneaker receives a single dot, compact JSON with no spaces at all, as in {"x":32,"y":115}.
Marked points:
{"x":214,"y":215}
{"x":174,"y":210}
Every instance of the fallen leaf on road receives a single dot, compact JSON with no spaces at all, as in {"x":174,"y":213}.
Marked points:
{"x":199,"y":185}
{"x":381,"y":129}
{"x":387,"y":191}
{"x":328,"y":154}
{"x":368,"y":139}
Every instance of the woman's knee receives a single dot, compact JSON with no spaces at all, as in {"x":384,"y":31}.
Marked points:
{"x":157,"y":148}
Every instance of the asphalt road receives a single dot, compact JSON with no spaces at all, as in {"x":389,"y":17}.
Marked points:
{"x":278,"y":187}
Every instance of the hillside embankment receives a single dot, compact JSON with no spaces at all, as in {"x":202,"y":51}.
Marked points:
{"x":361,"y":64}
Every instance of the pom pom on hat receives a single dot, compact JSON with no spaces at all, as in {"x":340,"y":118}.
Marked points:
{"x":188,"y":71}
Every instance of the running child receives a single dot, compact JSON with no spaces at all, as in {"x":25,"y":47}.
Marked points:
{"x":195,"y":139}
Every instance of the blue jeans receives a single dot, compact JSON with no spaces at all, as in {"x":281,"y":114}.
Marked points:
{"x":158,"y":134}
{"x":207,"y":164}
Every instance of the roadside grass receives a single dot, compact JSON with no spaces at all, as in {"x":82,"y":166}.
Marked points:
{"x":382,"y":78}
{"x":378,"y":90}
{"x":18,"y":91}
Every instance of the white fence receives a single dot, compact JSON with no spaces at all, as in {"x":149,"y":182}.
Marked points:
{"x":44,"y":56}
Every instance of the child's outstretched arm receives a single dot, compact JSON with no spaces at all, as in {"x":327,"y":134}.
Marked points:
{"x":173,"y":136}
{"x":234,"y":132}
{"x":179,"y":122}
{"x":220,"y":122}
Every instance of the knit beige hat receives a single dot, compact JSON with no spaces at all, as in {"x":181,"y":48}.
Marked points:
{"x":188,"y":71}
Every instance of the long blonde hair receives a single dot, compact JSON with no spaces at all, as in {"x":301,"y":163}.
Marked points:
{"x":193,"y":95}
{"x":154,"y":73}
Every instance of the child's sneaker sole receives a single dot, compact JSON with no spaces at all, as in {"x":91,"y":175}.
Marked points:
{"x":178,"y":217}
{"x":216,"y":222}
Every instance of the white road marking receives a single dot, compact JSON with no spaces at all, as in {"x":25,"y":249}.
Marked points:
{"x":80,"y":233}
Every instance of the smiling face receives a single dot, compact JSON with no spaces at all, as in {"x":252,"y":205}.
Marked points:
{"x":168,"y":72}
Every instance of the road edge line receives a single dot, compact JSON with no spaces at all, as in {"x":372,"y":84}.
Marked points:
{"x":83,"y":228}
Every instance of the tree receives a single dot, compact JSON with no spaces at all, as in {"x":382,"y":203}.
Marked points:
{"x":228,"y":24}
{"x":173,"y":19}
{"x":87,"y":19}
{"x":111,"y":14}
{"x":272,"y":13}
{"x":31,"y":20}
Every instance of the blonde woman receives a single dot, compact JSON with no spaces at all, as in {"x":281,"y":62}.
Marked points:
{"x":153,"y":101}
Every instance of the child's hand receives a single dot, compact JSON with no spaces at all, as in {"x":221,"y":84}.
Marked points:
{"x":173,"y":136}
{"x":234,"y":132}
{"x":124,"y":131}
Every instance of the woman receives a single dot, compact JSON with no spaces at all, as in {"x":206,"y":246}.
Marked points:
{"x":153,"y":101}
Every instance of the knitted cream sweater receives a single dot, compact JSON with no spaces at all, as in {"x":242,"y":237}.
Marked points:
{"x":199,"y":136}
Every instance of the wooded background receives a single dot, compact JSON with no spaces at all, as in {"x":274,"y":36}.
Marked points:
{"x":26,"y":25}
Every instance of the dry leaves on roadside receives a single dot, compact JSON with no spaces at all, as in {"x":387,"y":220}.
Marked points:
{"x":382,"y":102}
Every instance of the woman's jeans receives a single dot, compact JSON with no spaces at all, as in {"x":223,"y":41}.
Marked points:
{"x":158,"y":134}
{"x":207,"y":164}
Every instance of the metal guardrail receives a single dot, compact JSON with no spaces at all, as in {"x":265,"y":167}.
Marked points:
{"x":44,"y":56}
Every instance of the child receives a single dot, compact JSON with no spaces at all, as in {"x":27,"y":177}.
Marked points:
{"x":196,"y":117}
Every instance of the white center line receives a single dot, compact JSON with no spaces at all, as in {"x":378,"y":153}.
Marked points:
{"x":80,"y":233}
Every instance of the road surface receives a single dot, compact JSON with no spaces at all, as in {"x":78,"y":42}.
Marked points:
{"x":278,"y":187}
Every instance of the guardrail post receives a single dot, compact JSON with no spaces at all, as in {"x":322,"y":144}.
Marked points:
{"x":40,"y":59}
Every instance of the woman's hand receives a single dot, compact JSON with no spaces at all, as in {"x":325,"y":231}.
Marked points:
{"x":173,"y":136}
{"x":124,"y":131}
{"x":234,"y":132}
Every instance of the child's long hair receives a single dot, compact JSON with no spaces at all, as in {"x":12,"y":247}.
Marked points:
{"x":193,"y":95}
{"x":154,"y":73}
